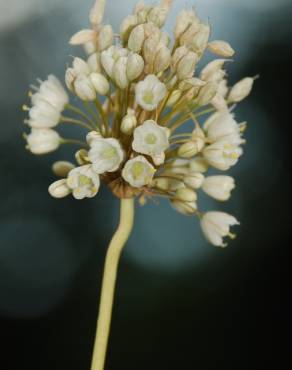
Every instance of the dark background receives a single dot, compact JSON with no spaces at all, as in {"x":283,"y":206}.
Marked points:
{"x":180,"y":303}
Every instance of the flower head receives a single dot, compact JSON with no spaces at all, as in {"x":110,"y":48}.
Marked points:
{"x":216,"y":226}
{"x":83,"y":181}
{"x":42,"y":140}
{"x":106,"y":155}
{"x":150,"y":92}
{"x":138,"y":172}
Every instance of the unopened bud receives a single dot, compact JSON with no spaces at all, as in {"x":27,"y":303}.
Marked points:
{"x":100,"y":83}
{"x":188,"y":150}
{"x":183,"y":20}
{"x":186,"y":66}
{"x":129,"y":122}
{"x":165,"y":38}
{"x":89,"y":47}
{"x":200,"y":41}
{"x":188,"y":37}
{"x":105,"y":37}
{"x":241,"y":90}
{"x":62,"y":168}
{"x":198,"y":137}
{"x":161,"y":183}
{"x":149,"y":49}
{"x":59,"y":189}
{"x":221,"y":48}
{"x":94,"y":62}
{"x":194,"y":180}
{"x":174,"y":97}
{"x":127,"y":26}
{"x":198,"y":165}
{"x":80,"y":66}
{"x":157,"y":15}
{"x":185,"y":195}
{"x":97,"y":12}
{"x":162,"y":59}
{"x":70,"y":77}
{"x":83,"y":37}
{"x":136,"y":38}
{"x":213,"y":70}
{"x":82,"y":157}
{"x":177,"y":56}
{"x":186,"y":208}
{"x":135,"y":66}
{"x":120,"y":73}
{"x":84,"y":88}
{"x":191,"y":83}
{"x":207,"y":93}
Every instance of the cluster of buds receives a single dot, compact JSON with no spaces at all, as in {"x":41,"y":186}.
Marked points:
{"x":138,"y":91}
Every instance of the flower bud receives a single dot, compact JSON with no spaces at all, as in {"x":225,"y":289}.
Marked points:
{"x":188,"y":150}
{"x":59,"y":189}
{"x":162,"y":59}
{"x":198,"y":165}
{"x":83,"y":37}
{"x":174,"y":97}
{"x":219,"y":187}
{"x":221,"y":48}
{"x":186,"y":67}
{"x":82,"y":157}
{"x":207,"y":93}
{"x":186,"y":208}
{"x":105,"y":37}
{"x":89,"y":47}
{"x":191,"y":83}
{"x":100,"y":83}
{"x":161,"y":183}
{"x":149,"y":49}
{"x":120,"y":73}
{"x":178,"y":55}
{"x":198,"y":137}
{"x":62,"y":168}
{"x":94,"y":62}
{"x":136,"y":39}
{"x":70,"y":77}
{"x":165,"y":38}
{"x":127,"y":26}
{"x":97,"y":12}
{"x":183,"y":21}
{"x":84,"y":88}
{"x":194,"y":180}
{"x":93,"y":135}
{"x":241,"y":90}
{"x":200,"y":41}
{"x":42,"y":141}
{"x":157,"y":15}
{"x":185,"y":195}
{"x":135,"y":66}
{"x":129,"y":122}
{"x":213,"y":70}
{"x":188,"y":37}
{"x":80,"y":66}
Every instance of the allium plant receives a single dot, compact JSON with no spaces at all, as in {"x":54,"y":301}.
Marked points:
{"x":138,"y":89}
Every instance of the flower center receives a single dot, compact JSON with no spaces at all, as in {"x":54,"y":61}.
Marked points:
{"x":150,"y":139}
{"x":148,"y":97}
{"x":109,"y":153}
{"x":137,"y":170}
{"x":85,"y":181}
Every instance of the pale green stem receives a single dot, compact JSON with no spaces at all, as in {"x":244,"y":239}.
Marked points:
{"x":75,"y":122}
{"x":75,"y":142}
{"x":108,"y":284}
{"x":81,"y":114}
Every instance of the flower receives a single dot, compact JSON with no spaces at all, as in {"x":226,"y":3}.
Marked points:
{"x":221,"y":126}
{"x":186,"y":208}
{"x":47,"y":104}
{"x":222,"y":155}
{"x":216,"y":225}
{"x":110,"y":56}
{"x":83,"y":181}
{"x":221,"y":48}
{"x":42,"y":140}
{"x":138,"y":172}
{"x":84,"y":88}
{"x":241,"y":90}
{"x":218,"y":187}
{"x":150,"y":92}
{"x":150,"y":139}
{"x":106,"y":155}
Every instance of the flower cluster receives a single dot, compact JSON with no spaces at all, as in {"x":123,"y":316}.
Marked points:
{"x":138,"y":89}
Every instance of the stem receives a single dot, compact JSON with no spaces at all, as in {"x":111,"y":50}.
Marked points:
{"x":75,"y":122}
{"x":108,"y":284}
{"x":74,"y":142}
{"x":81,"y":114}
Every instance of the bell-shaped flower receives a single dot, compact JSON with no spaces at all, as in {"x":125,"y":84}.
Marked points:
{"x":110,"y":56}
{"x":83,"y":181}
{"x":150,"y":92}
{"x":150,"y":139}
{"x":222,"y":155}
{"x":218,"y":187}
{"x":106,"y":155}
{"x":42,"y":141}
{"x":138,"y":172}
{"x":216,"y":226}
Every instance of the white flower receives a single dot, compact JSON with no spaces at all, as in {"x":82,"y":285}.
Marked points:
{"x":138,"y":172}
{"x":222,"y":155}
{"x":150,"y":92}
{"x":218,"y":187}
{"x":221,"y":48}
{"x":47,"y":104}
{"x":106,"y":155}
{"x":42,"y":140}
{"x":83,"y":181}
{"x":241,"y":90}
{"x":221,"y":126}
{"x":110,"y":56}
{"x":150,"y":139}
{"x":59,"y":189}
{"x":84,"y":88}
{"x":100,"y":83}
{"x":194,"y":180}
{"x":216,"y":225}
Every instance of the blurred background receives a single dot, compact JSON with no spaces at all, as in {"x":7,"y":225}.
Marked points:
{"x":180,"y":303}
